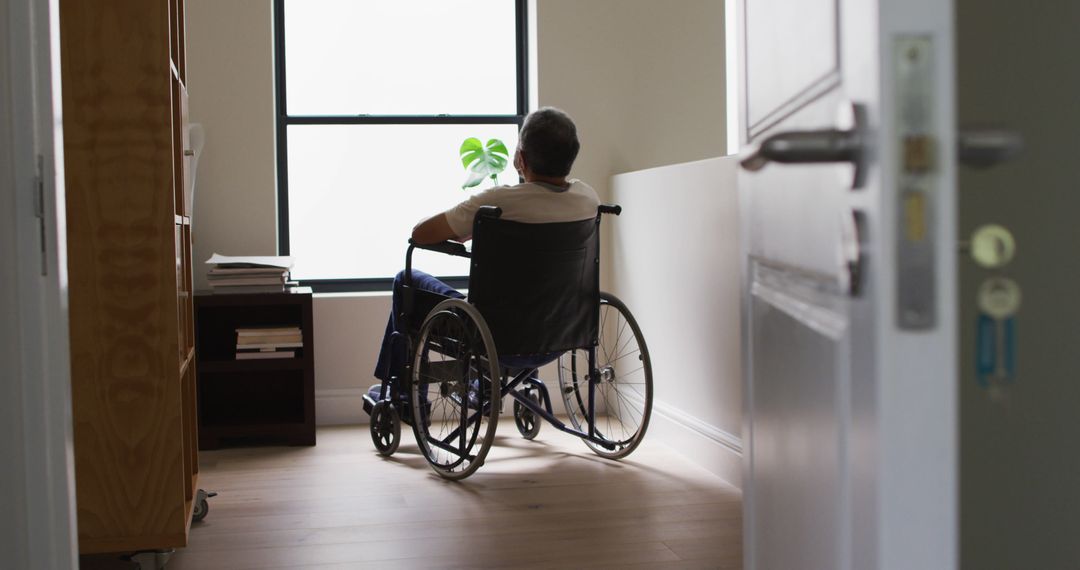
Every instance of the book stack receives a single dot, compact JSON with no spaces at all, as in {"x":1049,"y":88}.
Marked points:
{"x":256,"y":343}
{"x":264,"y":274}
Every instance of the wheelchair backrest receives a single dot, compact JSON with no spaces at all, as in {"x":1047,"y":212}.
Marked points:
{"x":537,"y":285}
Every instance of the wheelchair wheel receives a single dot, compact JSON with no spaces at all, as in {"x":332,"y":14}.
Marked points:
{"x":624,"y":391}
{"x":527,"y":422}
{"x":385,"y":428}
{"x":455,"y":391}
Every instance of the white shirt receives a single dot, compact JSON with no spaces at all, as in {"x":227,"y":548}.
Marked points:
{"x":530,"y":203}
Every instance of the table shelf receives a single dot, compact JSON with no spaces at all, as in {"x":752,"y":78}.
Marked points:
{"x":254,"y":401}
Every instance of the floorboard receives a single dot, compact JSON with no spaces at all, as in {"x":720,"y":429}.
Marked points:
{"x":547,"y":503}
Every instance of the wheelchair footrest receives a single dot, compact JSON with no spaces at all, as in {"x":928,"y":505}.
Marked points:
{"x":369,"y":404}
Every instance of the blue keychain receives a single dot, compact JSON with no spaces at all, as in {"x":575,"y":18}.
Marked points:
{"x":995,"y":338}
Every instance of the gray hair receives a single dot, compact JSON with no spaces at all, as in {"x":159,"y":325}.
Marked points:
{"x":548,"y":142}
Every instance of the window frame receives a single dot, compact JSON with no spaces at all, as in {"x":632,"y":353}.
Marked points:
{"x":284,"y":121}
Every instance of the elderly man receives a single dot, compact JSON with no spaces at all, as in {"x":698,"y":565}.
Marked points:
{"x":547,"y":147}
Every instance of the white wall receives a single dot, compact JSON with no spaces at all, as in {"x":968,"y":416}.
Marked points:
{"x":348,"y":331}
{"x":230,"y":67}
{"x":643,"y":79}
{"x":676,"y":261}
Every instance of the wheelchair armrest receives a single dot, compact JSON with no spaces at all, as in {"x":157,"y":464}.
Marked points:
{"x":610,"y":209}
{"x":447,"y":247}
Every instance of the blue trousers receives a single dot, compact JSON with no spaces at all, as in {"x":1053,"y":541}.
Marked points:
{"x":392,"y":353}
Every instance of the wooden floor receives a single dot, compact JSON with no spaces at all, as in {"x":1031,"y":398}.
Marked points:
{"x":548,"y":503}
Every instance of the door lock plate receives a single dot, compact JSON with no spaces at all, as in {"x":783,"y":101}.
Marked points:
{"x":917,"y":179}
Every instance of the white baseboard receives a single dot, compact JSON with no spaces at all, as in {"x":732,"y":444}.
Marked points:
{"x":706,"y":445}
{"x":340,"y":406}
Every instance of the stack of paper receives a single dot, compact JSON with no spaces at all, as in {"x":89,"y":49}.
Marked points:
{"x":258,"y":274}
{"x":267,"y":342}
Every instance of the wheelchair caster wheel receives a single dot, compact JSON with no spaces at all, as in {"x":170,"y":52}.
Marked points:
{"x":527,"y":422}
{"x":385,"y":428}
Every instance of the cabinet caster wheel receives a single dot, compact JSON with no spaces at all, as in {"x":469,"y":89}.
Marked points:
{"x":152,"y":560}
{"x":202,"y":506}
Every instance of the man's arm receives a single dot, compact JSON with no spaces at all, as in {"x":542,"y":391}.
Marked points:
{"x":433,"y":230}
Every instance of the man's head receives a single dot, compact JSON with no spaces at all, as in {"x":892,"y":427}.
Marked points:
{"x":548,"y":142}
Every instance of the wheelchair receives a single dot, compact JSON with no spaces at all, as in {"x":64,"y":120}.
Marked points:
{"x":534,"y":297}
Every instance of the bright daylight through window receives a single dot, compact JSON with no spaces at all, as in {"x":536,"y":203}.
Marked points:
{"x":374,"y":100}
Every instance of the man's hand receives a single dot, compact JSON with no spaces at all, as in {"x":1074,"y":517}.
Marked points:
{"x":433,"y":230}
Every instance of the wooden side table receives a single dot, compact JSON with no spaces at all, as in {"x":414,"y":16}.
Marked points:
{"x":253,"y":401}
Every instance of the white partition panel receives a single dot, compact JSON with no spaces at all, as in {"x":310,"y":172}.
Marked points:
{"x":674,"y":260}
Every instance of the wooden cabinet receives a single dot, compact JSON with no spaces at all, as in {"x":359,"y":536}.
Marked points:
{"x":129,"y":270}
{"x":254,"y":400}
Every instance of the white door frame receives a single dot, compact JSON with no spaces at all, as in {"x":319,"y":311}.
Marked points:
{"x":37,"y":494}
{"x":917,"y":428}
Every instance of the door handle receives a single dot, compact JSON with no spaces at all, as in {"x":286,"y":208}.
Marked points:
{"x":986,"y":147}
{"x":815,"y":147}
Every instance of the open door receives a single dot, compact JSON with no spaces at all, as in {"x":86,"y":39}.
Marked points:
{"x":847,"y":197}
{"x":37,"y":484}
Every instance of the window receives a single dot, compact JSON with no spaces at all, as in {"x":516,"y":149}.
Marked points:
{"x":373,"y":100}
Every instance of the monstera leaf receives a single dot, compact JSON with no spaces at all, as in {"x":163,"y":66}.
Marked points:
{"x":483,"y":160}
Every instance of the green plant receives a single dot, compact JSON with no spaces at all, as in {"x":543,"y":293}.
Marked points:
{"x":483,"y":160}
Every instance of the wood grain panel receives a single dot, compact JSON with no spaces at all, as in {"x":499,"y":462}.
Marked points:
{"x":122,"y":245}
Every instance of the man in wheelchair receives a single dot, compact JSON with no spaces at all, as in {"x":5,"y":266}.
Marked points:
{"x":533,"y":297}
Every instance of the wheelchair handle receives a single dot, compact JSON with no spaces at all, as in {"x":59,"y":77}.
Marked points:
{"x":489,"y":212}
{"x":610,"y":209}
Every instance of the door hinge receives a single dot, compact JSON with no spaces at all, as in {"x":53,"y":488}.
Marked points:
{"x":39,"y":211}
{"x":855,"y":274}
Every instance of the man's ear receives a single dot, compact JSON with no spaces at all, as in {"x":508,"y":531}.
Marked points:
{"x":519,"y":162}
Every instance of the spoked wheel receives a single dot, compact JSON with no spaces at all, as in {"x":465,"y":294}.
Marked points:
{"x":624,"y":391}
{"x":527,"y":422}
{"x":385,"y":428}
{"x":455,"y":391}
